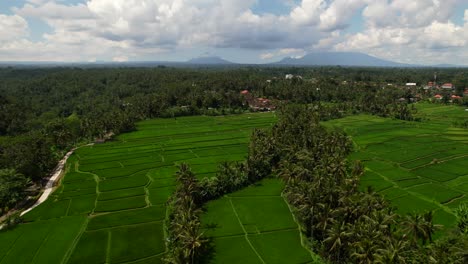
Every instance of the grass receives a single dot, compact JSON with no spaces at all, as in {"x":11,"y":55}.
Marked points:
{"x":254,"y":225}
{"x":233,"y":250}
{"x":110,"y":207}
{"x":59,"y":240}
{"x":270,"y":207}
{"x":40,"y":242}
{"x":220,"y":220}
{"x":124,"y":193}
{"x":417,"y":165}
{"x":137,"y":180}
{"x":92,"y":248}
{"x":82,"y":205}
{"x":121,"y":204}
{"x":145,"y":215}
{"x":147,"y":240}
{"x":273,"y":246}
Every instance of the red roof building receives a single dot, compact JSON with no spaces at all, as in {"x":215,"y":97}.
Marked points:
{"x":455,"y":97}
{"x":447,"y":86}
{"x":438,"y":96}
{"x":245,"y":92}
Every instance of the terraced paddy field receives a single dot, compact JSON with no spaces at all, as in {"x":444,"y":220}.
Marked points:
{"x":418,"y":166}
{"x":254,"y":225}
{"x":110,"y":206}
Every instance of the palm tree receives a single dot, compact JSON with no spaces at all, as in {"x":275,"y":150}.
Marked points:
{"x":415,"y":226}
{"x":429,"y":225}
{"x":338,"y":238}
{"x":394,"y":251}
{"x":365,"y":250}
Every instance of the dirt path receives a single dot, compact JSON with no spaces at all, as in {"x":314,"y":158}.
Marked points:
{"x":51,"y":182}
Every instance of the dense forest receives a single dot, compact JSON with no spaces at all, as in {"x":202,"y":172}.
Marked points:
{"x":46,"y":111}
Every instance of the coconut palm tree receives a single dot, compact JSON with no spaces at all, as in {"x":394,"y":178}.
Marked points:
{"x":415,"y":226}
{"x":429,"y":225}
{"x":365,"y":250}
{"x":394,"y":252}
{"x":337,"y":240}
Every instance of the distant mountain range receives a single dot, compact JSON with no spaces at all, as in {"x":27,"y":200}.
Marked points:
{"x":349,"y":59}
{"x":341,"y":59}
{"x":212,"y":60}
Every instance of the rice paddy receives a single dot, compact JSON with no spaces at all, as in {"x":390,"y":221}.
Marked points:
{"x":416,"y":165}
{"x":257,"y":220}
{"x":110,"y":206}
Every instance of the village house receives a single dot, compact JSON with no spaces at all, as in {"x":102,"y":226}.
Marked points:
{"x":430,"y":85}
{"x":106,"y":137}
{"x":258,"y":104}
{"x":465,"y":93}
{"x":448,"y":86}
{"x":292,"y":76}
{"x":438,"y":97}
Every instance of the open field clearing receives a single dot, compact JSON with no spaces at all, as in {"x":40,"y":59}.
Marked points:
{"x":417,"y":165}
{"x":110,"y":207}
{"x":256,"y":220}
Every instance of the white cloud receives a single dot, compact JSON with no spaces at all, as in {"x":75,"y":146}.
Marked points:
{"x":267,"y":56}
{"x":308,"y":12}
{"x":12,"y":27}
{"x":339,"y":13}
{"x":107,"y":29}
{"x":418,"y":31}
{"x":120,"y":59}
{"x":291,"y":52}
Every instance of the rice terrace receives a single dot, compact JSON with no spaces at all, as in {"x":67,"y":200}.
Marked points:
{"x":123,"y":187}
{"x":181,"y":164}
{"x":111,"y":204}
{"x":417,"y":166}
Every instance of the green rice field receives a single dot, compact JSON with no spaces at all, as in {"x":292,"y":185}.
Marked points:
{"x":418,"y":166}
{"x":256,"y":220}
{"x":110,"y":206}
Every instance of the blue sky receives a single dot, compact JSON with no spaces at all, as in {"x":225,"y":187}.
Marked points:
{"x":248,"y":31}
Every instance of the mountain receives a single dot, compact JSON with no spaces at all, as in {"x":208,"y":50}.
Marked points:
{"x":340,"y":58}
{"x":208,"y":60}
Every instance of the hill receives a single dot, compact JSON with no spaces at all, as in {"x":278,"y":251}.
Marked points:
{"x":209,"y":60}
{"x":340,"y":58}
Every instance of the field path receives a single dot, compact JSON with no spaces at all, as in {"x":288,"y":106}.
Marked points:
{"x":49,"y":188}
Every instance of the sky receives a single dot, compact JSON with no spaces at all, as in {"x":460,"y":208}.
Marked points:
{"x":422,"y":32}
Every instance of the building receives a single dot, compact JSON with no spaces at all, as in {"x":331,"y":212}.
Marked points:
{"x":244,"y":92}
{"x":430,"y":85}
{"x":456,"y":97}
{"x":410,"y":84}
{"x":292,"y":76}
{"x":448,"y":86}
{"x":438,"y":97}
{"x":262,"y":104}
{"x":465,"y":93}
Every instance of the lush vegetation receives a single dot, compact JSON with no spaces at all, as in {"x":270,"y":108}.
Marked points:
{"x":44,"y":112}
{"x":310,"y":177}
{"x":416,"y":166}
{"x":112,"y":200}
{"x":342,"y":222}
